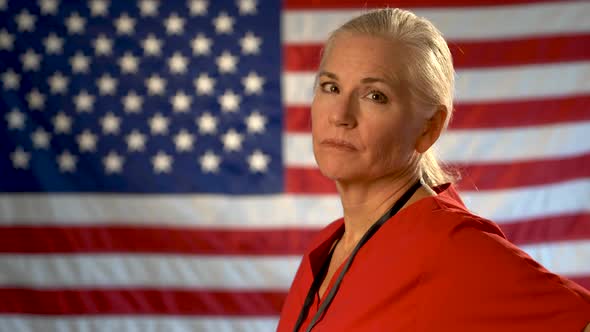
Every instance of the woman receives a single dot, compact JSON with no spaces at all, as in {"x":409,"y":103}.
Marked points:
{"x":407,"y":255}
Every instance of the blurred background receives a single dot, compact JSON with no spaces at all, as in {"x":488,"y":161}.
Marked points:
{"x":155,"y":157}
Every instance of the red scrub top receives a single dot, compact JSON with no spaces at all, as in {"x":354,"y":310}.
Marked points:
{"x":434,"y":266}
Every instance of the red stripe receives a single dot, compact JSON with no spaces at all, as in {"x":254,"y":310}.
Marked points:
{"x":474,"y":177}
{"x":521,"y":113}
{"x":555,"y":228}
{"x":71,"y":239}
{"x":475,"y":54}
{"x":113,"y":239}
{"x":139,"y":302}
{"x":343,"y":4}
{"x":524,"y":173}
{"x":487,"y":115}
{"x":582,"y":281}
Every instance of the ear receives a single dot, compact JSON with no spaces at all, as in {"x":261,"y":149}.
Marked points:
{"x":432,"y":129}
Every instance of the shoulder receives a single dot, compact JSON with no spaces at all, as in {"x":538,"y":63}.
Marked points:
{"x":475,"y":275}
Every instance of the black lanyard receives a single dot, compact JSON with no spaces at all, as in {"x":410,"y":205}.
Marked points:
{"x":318,"y":278}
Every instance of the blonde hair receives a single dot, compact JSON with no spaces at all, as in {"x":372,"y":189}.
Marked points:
{"x":429,"y":73}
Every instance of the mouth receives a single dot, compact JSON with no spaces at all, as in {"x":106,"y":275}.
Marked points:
{"x":338,"y":144}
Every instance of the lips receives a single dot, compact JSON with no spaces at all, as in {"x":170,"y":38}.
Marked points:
{"x":338,"y":144}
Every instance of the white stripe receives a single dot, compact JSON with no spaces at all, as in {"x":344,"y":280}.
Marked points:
{"x":268,"y":212}
{"x":251,"y":273}
{"x":475,"y":146}
{"x":482,"y":84}
{"x":313,"y":26}
{"x":134,"y":270}
{"x":105,"y":323}
{"x":170,"y":210}
{"x":511,"y":205}
{"x":514,"y":144}
{"x":570,"y":258}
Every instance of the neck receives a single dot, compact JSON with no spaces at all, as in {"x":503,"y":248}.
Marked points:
{"x":364,"y":203}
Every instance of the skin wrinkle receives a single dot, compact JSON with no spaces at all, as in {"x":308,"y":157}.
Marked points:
{"x":386,"y":135}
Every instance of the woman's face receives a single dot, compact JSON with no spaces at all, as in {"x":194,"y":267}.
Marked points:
{"x":362,"y":127}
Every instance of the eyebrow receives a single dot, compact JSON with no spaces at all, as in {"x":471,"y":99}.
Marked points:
{"x":364,"y":80}
{"x":329,"y":74}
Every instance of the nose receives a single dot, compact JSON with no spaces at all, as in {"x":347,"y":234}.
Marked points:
{"x":343,"y":114}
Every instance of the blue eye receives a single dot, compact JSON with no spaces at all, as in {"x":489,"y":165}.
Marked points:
{"x":329,"y":87}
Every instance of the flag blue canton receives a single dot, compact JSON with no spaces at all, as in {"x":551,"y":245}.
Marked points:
{"x":140,"y":97}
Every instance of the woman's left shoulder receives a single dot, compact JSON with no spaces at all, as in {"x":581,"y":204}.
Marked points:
{"x":483,"y":275}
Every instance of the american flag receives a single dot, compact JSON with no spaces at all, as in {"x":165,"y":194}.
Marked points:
{"x":156,"y":165}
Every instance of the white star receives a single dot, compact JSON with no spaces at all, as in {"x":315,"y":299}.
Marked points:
{"x":253,"y":83}
{"x":132,"y":102}
{"x":223,"y":23}
{"x":229,"y":101}
{"x":258,"y":162}
{"x":87,"y":141}
{"x":67,"y":162}
{"x":210,"y":162}
{"x":148,"y":7}
{"x":204,"y":84}
{"x":247,"y":7}
{"x":99,"y":7}
{"x":48,"y":7}
{"x":152,"y":46}
{"x":15,"y":119}
{"x":53,"y":44}
{"x":250,"y":43}
{"x":62,"y":123}
{"x":174,"y":24}
{"x":177,"y":63}
{"x":113,"y":163}
{"x":107,"y":85}
{"x":159,"y":124}
{"x":256,"y":123}
{"x":201,"y":45}
{"x":184,"y":141}
{"x":75,"y":23}
{"x":40,"y":138}
{"x":129,"y":63}
{"x":58,"y":83}
{"x":125,"y":25}
{"x":84,"y":101}
{"x":155,"y":85}
{"x":30,"y":60}
{"x":110,"y":124}
{"x":6,"y":40}
{"x":162,"y":162}
{"x":226,"y":62}
{"x":207,"y":124}
{"x":103,"y":45}
{"x":36,"y":99}
{"x":232,"y":140}
{"x":136,"y":141}
{"x":10,"y":80}
{"x":79,"y":63}
{"x":25,"y":21}
{"x":20,"y":158}
{"x":181,"y":102}
{"x":198,"y":7}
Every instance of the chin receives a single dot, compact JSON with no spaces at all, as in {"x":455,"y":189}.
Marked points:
{"x":338,"y":170}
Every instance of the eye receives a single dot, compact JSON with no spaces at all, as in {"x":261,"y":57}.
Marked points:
{"x":377,"y":97}
{"x":329,"y":87}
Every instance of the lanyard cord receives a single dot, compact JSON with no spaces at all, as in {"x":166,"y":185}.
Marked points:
{"x":317,"y":281}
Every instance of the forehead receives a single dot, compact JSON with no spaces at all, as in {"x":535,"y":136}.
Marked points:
{"x":361,"y":54}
